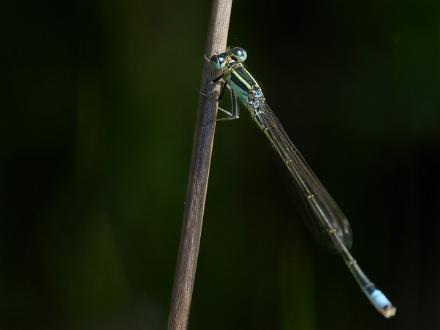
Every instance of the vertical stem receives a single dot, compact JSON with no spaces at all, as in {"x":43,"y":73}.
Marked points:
{"x":199,"y":173}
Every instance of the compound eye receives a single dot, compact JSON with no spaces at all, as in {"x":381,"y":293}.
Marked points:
{"x":239,"y":53}
{"x":218,"y":62}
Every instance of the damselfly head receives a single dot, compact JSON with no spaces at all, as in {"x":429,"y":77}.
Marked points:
{"x":238,"y":54}
{"x":218,"y":61}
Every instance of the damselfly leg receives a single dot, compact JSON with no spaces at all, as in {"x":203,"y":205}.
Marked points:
{"x":235,"y":111}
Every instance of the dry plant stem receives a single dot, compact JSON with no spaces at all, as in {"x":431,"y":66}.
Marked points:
{"x":199,"y":173}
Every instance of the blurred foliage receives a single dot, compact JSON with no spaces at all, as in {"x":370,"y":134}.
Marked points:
{"x":98,"y":109}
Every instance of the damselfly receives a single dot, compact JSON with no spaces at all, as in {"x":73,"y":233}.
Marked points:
{"x":326,"y":213}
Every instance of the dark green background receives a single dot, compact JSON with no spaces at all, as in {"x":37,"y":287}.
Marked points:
{"x":97,"y":116}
